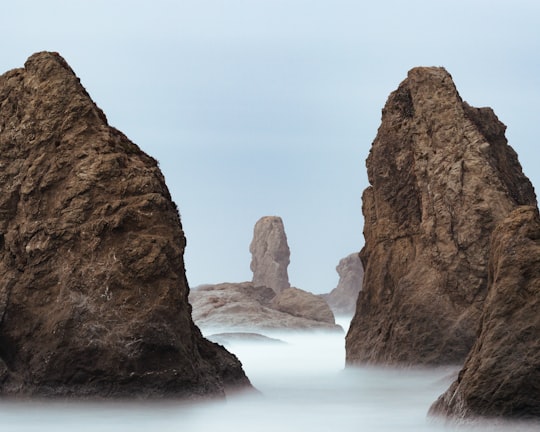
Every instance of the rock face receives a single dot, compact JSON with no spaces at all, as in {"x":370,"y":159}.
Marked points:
{"x":342,"y":299}
{"x":303,"y":304}
{"x":501,"y":376}
{"x":270,"y":254}
{"x":442,"y":176}
{"x":244,"y":307}
{"x":93,"y":293}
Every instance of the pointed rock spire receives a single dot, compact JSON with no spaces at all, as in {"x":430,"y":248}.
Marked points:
{"x":442,"y":176}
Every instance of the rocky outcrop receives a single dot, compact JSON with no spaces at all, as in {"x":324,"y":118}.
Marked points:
{"x":93,"y":293}
{"x":342,"y":299}
{"x":270,"y":254}
{"x":501,"y":376}
{"x":244,"y":307}
{"x":266,"y":303}
{"x":442,"y":176}
{"x":303,"y":304}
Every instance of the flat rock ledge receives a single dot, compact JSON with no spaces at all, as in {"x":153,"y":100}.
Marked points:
{"x":243,"y":307}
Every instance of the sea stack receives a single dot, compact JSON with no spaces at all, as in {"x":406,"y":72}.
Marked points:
{"x":342,"y":299}
{"x":501,"y":377}
{"x":270,"y":255}
{"x":266,"y":303}
{"x":442,"y":177}
{"x":93,"y":293}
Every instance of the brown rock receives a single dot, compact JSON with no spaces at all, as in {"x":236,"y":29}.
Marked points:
{"x":93,"y":300}
{"x":267,"y":303}
{"x":501,"y":376}
{"x":243,"y":307}
{"x":303,"y":304}
{"x":270,"y":254}
{"x":342,"y":299}
{"x":442,"y":177}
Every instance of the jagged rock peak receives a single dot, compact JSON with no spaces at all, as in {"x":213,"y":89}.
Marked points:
{"x":93,"y":298}
{"x":501,"y":375}
{"x":270,"y":255}
{"x":442,"y":176}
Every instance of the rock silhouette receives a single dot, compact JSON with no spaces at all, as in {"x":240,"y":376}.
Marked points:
{"x":442,"y":176}
{"x":342,"y":299}
{"x":270,"y":254}
{"x":93,"y":294}
{"x":501,"y":376}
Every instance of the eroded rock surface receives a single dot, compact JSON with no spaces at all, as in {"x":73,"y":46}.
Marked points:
{"x":93,"y":293}
{"x":442,"y":176}
{"x":270,"y":255}
{"x":248,"y":308}
{"x":303,"y":304}
{"x":342,"y":299}
{"x":266,"y":303}
{"x":501,"y":376}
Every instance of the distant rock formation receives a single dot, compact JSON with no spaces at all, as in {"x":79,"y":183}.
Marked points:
{"x":442,"y":176}
{"x":501,"y":376}
{"x":93,"y":299}
{"x":267,"y":303}
{"x":270,"y":254}
{"x":303,"y":304}
{"x":244,"y":307}
{"x":342,"y":299}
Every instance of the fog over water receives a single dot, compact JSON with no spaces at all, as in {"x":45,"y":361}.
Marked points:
{"x":303,"y":385}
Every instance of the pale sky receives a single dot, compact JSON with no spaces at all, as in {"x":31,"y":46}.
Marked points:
{"x":269,"y":107}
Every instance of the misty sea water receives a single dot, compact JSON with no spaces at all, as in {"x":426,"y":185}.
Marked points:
{"x":303,"y":387}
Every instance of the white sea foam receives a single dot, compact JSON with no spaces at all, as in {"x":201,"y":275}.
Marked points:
{"x":304,"y":388}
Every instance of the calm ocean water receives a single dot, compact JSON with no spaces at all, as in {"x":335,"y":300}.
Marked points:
{"x":303,"y":386}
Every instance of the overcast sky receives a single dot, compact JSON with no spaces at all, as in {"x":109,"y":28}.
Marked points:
{"x":269,"y":107}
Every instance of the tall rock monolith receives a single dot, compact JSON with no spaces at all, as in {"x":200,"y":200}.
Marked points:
{"x":442,"y":176}
{"x":93,"y":291}
{"x":270,"y":255}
